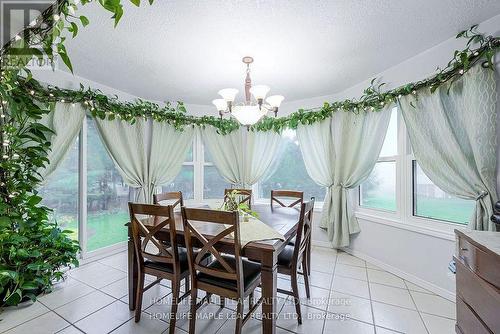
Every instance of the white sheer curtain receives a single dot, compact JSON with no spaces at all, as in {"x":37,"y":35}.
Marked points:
{"x":262,"y":153}
{"x":242,"y":157}
{"x":453,"y":136}
{"x":65,"y":120}
{"x":339,"y":154}
{"x":127,"y":146}
{"x":168,"y":151}
{"x":146,"y":153}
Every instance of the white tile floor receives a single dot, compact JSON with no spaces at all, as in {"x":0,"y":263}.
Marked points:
{"x":348,"y":295}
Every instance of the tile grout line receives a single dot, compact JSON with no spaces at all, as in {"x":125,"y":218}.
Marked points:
{"x":22,"y":323}
{"x":416,"y":307}
{"x":371,"y":301}
{"x":331,"y":289}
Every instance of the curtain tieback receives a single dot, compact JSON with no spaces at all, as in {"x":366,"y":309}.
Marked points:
{"x":481,"y":195}
{"x":340,"y":185}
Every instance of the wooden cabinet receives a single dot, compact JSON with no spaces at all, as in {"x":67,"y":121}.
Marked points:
{"x":478,"y":282}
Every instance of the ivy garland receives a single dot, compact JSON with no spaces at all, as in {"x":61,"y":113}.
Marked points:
{"x":373,"y":99}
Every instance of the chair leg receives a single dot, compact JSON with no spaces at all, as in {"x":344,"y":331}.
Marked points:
{"x":239,"y":316}
{"x":305,"y":270}
{"x":309,"y":257}
{"x":138,"y":298}
{"x":192,"y":311}
{"x":296,"y":299}
{"x":176,"y":287}
{"x":250,"y":301}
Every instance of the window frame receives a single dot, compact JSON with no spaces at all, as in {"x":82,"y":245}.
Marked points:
{"x":404,"y":216}
{"x":397,"y":159}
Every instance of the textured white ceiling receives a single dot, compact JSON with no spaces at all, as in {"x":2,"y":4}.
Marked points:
{"x":188,"y":50}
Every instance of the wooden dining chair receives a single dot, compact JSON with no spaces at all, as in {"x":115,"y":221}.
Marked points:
{"x":279,"y":196}
{"x":164,"y":261}
{"x":294,"y":256}
{"x":227,"y":276}
{"x":169,"y":196}
{"x":244,"y":194}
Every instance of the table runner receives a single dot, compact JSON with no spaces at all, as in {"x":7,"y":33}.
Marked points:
{"x":256,"y":230}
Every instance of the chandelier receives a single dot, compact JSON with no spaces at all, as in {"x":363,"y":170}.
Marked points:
{"x":250,"y":111}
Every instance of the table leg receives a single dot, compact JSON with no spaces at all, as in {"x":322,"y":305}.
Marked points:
{"x":269,"y":276}
{"x":132,"y":275}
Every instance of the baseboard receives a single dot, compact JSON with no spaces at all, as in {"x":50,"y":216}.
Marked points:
{"x":409,"y":277}
{"x":324,"y":244}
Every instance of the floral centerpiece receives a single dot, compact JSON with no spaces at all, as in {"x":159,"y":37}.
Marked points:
{"x":232,"y":203}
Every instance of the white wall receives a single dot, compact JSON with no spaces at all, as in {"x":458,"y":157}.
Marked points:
{"x":64,"y":79}
{"x":418,"y":257}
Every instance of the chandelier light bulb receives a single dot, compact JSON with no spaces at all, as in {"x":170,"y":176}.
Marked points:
{"x":228,"y":94}
{"x":259,"y":92}
{"x":220,"y":104}
{"x":275,"y":100}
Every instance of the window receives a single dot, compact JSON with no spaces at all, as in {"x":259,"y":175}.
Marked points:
{"x":213,"y":183}
{"x":107,"y":195}
{"x":60,"y":193}
{"x":429,"y":201}
{"x":379,"y":190}
{"x":399,"y":187}
{"x":291,"y":172}
{"x":184,"y":181}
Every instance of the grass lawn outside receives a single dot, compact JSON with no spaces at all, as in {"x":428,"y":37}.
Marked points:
{"x":454,"y":210}
{"x":102,"y":229}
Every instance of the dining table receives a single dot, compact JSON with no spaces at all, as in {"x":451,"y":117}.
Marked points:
{"x":282,"y":219}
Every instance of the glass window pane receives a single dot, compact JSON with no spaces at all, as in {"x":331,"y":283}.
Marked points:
{"x":379,"y":190}
{"x":183,"y":182}
{"x":107,"y":196}
{"x":432,"y":202}
{"x":60,"y":193}
{"x":213,"y":183}
{"x":291,"y":172}
{"x":390,"y":147}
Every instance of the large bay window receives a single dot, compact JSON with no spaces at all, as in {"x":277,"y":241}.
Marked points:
{"x":89,"y":197}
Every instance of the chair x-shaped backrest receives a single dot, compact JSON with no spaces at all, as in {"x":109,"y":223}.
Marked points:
{"x":167,"y":196}
{"x":147,"y":221}
{"x":277,"y":194}
{"x":244,"y":195}
{"x":222,"y":224}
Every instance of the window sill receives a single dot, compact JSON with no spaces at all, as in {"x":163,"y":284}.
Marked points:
{"x":439,"y":229}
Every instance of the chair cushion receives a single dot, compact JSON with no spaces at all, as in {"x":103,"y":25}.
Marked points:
{"x":286,"y":256}
{"x":251,"y":272}
{"x":167,"y":267}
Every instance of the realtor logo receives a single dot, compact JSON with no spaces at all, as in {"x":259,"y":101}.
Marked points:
{"x":15,"y":16}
